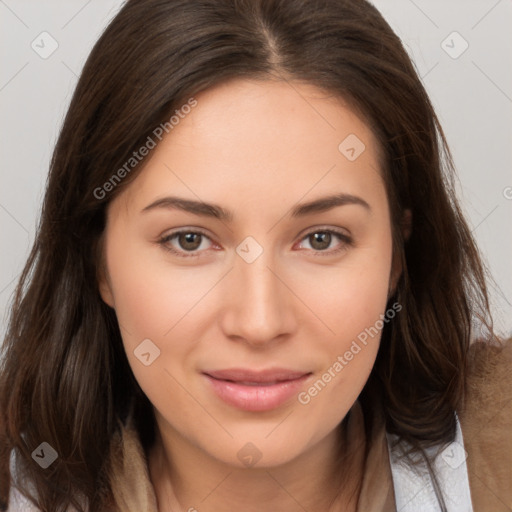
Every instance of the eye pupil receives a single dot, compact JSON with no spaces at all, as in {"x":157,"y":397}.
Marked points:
{"x":323,"y":238}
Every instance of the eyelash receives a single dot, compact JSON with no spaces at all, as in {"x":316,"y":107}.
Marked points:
{"x":347,"y":241}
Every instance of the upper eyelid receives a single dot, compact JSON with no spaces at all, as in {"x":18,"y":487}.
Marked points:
{"x":302,"y":234}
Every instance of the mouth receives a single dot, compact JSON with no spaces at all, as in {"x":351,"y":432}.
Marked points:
{"x":255,"y":391}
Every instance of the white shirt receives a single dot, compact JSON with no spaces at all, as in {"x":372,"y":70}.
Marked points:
{"x":414,"y":491}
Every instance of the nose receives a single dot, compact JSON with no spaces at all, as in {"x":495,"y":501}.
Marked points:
{"x":259,"y":303}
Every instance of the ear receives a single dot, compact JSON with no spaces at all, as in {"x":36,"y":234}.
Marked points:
{"x":103,"y":279}
{"x":105,"y":288}
{"x":396,"y":268}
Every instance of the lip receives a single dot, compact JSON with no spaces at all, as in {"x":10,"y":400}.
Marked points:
{"x":256,"y":391}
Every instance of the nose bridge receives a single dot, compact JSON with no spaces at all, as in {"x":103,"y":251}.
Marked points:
{"x":259,"y":309}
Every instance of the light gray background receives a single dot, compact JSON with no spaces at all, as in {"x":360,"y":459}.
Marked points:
{"x":472,"y":95}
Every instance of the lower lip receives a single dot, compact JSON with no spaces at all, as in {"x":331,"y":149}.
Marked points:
{"x":256,"y":398}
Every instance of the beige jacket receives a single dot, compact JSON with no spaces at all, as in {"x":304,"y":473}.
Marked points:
{"x":486,"y":423}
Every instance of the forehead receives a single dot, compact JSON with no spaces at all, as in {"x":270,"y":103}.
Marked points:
{"x":242,"y":109}
{"x":272,"y":137}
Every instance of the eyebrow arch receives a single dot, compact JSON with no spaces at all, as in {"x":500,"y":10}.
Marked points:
{"x":212,"y":210}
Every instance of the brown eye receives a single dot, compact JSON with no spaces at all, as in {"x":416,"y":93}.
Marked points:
{"x":320,"y":240}
{"x":184,"y":243}
{"x":189,"y":241}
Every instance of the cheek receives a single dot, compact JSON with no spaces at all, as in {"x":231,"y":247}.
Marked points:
{"x":355,"y":294}
{"x":156,"y":301}
{"x":150,"y":296}
{"x":151,"y":305}
{"x":353,"y":305}
{"x":355,"y":314}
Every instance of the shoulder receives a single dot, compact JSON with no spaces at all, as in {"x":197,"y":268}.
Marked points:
{"x":486,"y":422}
{"x":488,"y":386}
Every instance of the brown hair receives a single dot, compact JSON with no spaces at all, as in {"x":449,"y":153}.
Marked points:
{"x":65,"y":378}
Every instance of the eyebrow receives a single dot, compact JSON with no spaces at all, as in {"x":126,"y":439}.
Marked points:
{"x":213,"y":210}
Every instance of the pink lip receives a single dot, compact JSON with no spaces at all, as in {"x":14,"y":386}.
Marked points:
{"x":256,"y":390}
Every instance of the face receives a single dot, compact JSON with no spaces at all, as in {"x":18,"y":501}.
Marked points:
{"x":256,"y":320}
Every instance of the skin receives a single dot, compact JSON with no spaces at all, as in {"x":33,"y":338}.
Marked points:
{"x":257,"y":149}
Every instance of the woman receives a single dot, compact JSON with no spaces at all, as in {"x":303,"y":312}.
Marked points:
{"x":252,"y":285}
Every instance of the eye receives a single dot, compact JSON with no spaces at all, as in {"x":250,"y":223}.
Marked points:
{"x":321,"y":239}
{"x":188,"y":240}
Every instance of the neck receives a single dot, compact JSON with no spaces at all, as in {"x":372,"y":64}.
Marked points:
{"x":326,"y":478}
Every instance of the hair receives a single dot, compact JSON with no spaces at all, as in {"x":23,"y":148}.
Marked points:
{"x":65,"y":377}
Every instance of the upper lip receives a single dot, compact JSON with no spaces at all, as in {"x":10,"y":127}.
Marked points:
{"x":263,"y":376}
